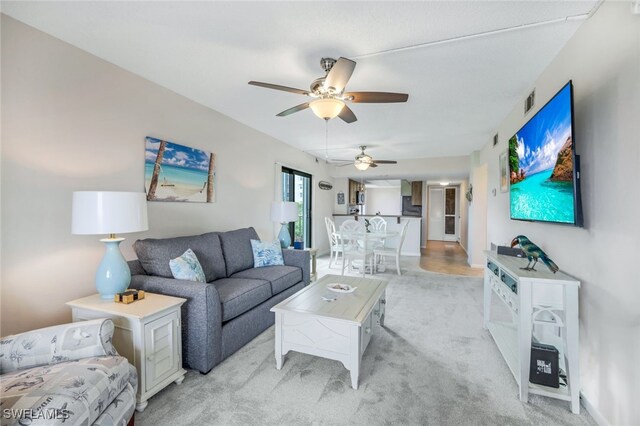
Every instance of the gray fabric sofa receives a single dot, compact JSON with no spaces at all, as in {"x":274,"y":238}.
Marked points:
{"x":233,"y":307}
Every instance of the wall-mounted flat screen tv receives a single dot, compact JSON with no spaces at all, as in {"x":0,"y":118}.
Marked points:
{"x":543,"y":166}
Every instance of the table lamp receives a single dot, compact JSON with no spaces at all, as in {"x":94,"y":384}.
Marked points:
{"x":284,"y":212}
{"x":106,"y":212}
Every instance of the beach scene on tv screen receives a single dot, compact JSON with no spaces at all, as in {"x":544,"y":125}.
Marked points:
{"x":541,"y":164}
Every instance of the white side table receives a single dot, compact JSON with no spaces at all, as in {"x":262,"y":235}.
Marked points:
{"x":147,"y":332}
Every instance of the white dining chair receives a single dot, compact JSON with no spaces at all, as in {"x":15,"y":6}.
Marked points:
{"x":351,"y":250}
{"x":382,"y":253}
{"x":377,"y":224}
{"x":334,"y":245}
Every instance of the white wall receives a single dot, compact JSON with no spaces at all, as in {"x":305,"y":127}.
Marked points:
{"x":71,"y":121}
{"x":464,"y":215}
{"x":385,"y":200}
{"x":340,"y":185}
{"x":477,"y":238}
{"x":442,"y":168}
{"x":603,"y":60}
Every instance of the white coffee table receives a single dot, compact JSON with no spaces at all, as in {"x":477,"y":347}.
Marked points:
{"x":338,"y":330}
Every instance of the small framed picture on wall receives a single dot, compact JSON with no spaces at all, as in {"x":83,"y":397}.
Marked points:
{"x":340,"y":197}
{"x":504,"y":172}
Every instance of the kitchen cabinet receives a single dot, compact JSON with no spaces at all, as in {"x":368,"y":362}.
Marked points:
{"x":416,"y":193}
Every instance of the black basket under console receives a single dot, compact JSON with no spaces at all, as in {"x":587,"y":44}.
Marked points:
{"x":545,"y":366}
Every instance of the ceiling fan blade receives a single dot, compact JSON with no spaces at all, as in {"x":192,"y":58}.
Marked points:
{"x":293,"y":109}
{"x":339,"y":75}
{"x":278,"y":87}
{"x":377,"y":97}
{"x":347,"y":115}
{"x":385,"y":161}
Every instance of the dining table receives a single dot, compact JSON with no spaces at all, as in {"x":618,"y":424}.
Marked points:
{"x":367,"y":241}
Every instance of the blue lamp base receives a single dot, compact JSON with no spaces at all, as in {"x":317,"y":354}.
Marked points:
{"x":284,"y":237}
{"x":113,"y":275}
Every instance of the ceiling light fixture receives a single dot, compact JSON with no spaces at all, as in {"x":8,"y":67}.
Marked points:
{"x":444,"y":183}
{"x":363,"y":162}
{"x":326,"y":108}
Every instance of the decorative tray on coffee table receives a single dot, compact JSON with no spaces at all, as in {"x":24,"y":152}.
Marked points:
{"x":341,"y":288}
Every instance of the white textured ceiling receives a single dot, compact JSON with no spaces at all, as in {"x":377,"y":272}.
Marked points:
{"x":207,"y":51}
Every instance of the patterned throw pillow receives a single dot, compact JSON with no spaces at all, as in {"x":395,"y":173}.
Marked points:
{"x":187,"y":267}
{"x":266,"y":254}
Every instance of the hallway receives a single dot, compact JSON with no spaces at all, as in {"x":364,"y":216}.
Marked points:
{"x":447,"y":258}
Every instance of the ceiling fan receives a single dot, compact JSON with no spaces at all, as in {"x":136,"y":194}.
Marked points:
{"x":329,"y":99}
{"x":363,"y":161}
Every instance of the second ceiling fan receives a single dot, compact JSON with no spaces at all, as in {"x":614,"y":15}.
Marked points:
{"x":328,"y":92}
{"x":363,"y":161}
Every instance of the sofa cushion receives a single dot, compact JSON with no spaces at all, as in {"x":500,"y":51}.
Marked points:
{"x":238,"y":295}
{"x":280,"y":277}
{"x":120,"y":410}
{"x":236,"y":246}
{"x":155,"y":254}
{"x":83,"y":388}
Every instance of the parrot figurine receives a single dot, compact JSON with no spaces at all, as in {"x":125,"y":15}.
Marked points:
{"x":533,"y":253}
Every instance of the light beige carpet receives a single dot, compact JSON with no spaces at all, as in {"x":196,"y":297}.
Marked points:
{"x":432,"y":364}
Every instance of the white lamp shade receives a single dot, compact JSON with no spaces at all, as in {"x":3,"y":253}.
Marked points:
{"x":326,"y":108}
{"x":107,"y":212}
{"x":284,"y":211}
{"x":361,"y":165}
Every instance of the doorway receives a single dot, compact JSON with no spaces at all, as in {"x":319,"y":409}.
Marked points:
{"x":296,"y":186}
{"x":443,"y":213}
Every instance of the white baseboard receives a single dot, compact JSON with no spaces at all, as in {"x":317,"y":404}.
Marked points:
{"x":475,"y":265}
{"x":411,"y":254}
{"x":591,"y":409}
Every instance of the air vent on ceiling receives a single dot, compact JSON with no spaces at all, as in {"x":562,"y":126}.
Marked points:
{"x":530,"y":101}
{"x":495,"y":139}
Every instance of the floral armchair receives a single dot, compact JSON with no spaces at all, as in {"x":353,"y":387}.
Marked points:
{"x":67,"y":374}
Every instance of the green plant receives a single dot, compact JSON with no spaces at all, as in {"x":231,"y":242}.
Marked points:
{"x":514,"y":160}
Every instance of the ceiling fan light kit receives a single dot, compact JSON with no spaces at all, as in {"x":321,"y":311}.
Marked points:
{"x":361,"y":165}
{"x":363,"y":161}
{"x":326,"y":108}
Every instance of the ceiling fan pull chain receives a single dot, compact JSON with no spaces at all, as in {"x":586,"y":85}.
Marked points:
{"x":326,"y":140}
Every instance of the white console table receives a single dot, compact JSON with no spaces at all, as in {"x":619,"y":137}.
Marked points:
{"x":544,"y":308}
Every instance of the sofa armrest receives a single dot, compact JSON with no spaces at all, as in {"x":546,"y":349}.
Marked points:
{"x":301,"y":259}
{"x":201,"y":317}
{"x":51,"y":345}
{"x":136,"y":267}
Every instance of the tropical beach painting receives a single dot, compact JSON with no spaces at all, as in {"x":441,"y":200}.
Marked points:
{"x":176,"y":172}
{"x":541,"y":164}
